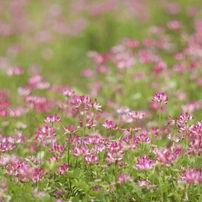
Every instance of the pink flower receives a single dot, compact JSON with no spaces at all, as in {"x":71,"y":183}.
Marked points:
{"x":57,"y":148}
{"x":25,"y":172}
{"x":103,"y":69}
{"x":115,"y":157}
{"x":144,"y":163}
{"x":15,"y":71}
{"x":183,"y":119}
{"x":131,"y":43}
{"x":123,"y":178}
{"x":7,"y":143}
{"x":159,"y":67}
{"x":38,"y":175}
{"x":96,"y":188}
{"x":91,"y":159}
{"x":46,"y":130}
{"x":39,"y":104}
{"x":160,"y":98}
{"x":196,"y":130}
{"x":52,"y":119}
{"x":173,"y":8}
{"x":68,"y":92}
{"x":53,"y":158}
{"x":137,"y":115}
{"x":63,"y":168}
{"x":3,"y":95}
{"x":142,"y":138}
{"x":179,"y":68}
{"x":81,"y":103}
{"x":191,"y":176}
{"x":182,"y":122}
{"x":110,"y":125}
{"x":93,"y":139}
{"x":24,"y":91}
{"x":3,"y":186}
{"x":195,"y":146}
{"x":80,"y":151}
{"x":8,"y":158}
{"x":174,"y":24}
{"x":144,"y":183}
{"x":46,"y":135}
{"x":59,"y":200}
{"x":17,"y":112}
{"x":179,"y":56}
{"x":148,"y":42}
{"x":147,"y":184}
{"x":87,"y":72}
{"x":38,"y":194}
{"x":191,"y":107}
{"x":166,"y":157}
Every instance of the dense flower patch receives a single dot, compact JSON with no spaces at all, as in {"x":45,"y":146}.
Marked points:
{"x":136,"y":135}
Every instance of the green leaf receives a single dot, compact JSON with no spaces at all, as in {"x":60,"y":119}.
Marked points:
{"x":75,"y":199}
{"x":70,"y":174}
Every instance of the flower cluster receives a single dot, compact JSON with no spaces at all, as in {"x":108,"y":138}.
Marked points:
{"x":101,"y":140}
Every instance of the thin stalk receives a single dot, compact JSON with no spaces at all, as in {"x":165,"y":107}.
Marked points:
{"x":160,"y":115}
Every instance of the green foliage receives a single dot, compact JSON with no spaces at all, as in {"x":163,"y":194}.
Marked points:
{"x":60,"y":61}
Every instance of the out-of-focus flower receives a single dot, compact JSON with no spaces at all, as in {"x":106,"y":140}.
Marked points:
{"x":15,"y":71}
{"x":110,"y":125}
{"x":160,"y":98}
{"x":52,"y":119}
{"x":144,"y":163}
{"x":123,"y":178}
{"x":191,"y":176}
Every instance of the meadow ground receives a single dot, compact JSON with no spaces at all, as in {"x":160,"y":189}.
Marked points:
{"x":100,"y":100}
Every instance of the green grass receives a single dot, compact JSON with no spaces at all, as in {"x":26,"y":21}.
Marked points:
{"x":118,"y":151}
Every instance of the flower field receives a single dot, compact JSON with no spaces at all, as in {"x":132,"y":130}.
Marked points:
{"x":100,"y":101}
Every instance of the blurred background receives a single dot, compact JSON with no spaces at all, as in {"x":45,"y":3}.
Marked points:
{"x":55,"y":36}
